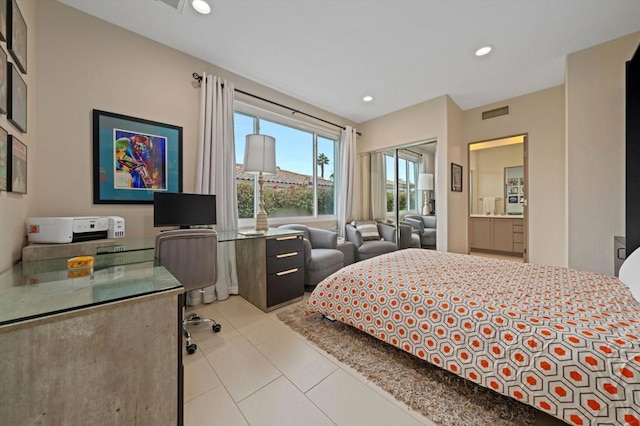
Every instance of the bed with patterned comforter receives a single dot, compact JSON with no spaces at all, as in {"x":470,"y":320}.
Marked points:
{"x":561,"y":340}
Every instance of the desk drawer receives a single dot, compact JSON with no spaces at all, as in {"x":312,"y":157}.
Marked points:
{"x":284,"y":261}
{"x":284,"y":286}
{"x":285,"y":244}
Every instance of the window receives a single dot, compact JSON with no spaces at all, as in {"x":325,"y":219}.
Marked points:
{"x":407,"y":178}
{"x":304,"y":184}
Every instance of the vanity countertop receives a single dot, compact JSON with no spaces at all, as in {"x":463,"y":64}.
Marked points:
{"x":499,"y":216}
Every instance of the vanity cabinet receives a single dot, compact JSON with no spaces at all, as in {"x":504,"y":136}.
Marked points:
{"x":496,"y":233}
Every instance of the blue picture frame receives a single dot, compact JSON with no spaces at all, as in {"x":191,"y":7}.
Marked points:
{"x":133,"y":158}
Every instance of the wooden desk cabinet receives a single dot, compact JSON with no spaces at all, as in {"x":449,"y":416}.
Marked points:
{"x":271,"y":270}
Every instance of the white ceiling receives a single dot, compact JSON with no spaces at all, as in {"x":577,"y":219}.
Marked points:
{"x":330,"y":53}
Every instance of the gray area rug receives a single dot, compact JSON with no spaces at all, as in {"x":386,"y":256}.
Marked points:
{"x":443,"y":397}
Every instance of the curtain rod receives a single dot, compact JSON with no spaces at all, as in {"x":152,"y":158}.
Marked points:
{"x":198,"y":78}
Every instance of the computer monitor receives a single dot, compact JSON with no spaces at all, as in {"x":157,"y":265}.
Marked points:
{"x":183,"y":210}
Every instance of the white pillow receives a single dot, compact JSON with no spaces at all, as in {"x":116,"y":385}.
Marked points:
{"x":630,"y":273}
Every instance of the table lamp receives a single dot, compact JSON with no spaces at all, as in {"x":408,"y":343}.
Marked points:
{"x":260,"y":157}
{"x":425,"y":183}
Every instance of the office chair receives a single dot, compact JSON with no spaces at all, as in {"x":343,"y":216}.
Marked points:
{"x":191,"y":256}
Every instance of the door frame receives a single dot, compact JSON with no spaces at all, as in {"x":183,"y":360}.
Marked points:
{"x":525,"y":206}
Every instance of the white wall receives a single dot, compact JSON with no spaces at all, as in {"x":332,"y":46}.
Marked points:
{"x":15,"y":208}
{"x":85,"y":63}
{"x":421,"y":122}
{"x":541,"y":116}
{"x":595,"y":96}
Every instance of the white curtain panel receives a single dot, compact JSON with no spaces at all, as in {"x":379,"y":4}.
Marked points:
{"x":378,"y":187}
{"x":347,"y":173}
{"x":216,"y":174}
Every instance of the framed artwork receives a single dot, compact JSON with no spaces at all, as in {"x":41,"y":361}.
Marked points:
{"x":17,"y":165}
{"x":4,"y":87}
{"x":456,"y":177}
{"x":17,"y":99}
{"x":17,"y":35}
{"x":3,"y":20}
{"x":133,"y":158}
{"x":4,"y":158}
{"x":513,"y":190}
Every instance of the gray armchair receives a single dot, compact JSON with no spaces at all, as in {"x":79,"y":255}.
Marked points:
{"x":321,"y":255}
{"x":425,"y":227}
{"x":366,"y":249}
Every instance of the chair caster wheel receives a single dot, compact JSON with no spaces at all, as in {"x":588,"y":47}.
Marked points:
{"x":216,"y":328}
{"x":192,"y":317}
{"x":191,"y":349}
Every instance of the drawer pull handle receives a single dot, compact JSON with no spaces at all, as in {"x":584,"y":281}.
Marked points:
{"x":292,"y":237}
{"x":280,"y":256}
{"x":290,"y":271}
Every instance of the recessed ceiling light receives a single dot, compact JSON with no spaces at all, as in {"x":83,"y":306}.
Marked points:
{"x":484,"y":50}
{"x":367,"y":98}
{"x":201,"y":6}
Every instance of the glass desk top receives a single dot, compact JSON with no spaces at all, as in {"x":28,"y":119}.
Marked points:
{"x":123,"y":268}
{"x":45,"y":287}
{"x":148,"y":243}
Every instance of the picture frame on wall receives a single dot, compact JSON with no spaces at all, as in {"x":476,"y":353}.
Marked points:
{"x":17,"y":99}
{"x":133,"y":158}
{"x":4,"y":158}
{"x":4,"y":85}
{"x":17,"y":35}
{"x":17,"y":174}
{"x":456,"y":177}
{"x":3,"y":20}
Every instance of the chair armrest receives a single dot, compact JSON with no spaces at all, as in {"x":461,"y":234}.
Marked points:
{"x":322,"y":238}
{"x":405,"y":236}
{"x":307,"y":251}
{"x":415,"y":224}
{"x":429,"y":221}
{"x":387,"y":232}
{"x":353,"y":235}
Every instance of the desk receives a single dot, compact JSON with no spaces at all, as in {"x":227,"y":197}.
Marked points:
{"x":100,"y":349}
{"x":270,"y":266}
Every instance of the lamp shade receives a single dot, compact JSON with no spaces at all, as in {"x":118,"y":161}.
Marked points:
{"x":425,"y":181}
{"x":260,"y":154}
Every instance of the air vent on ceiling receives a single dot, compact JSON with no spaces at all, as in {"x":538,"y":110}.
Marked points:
{"x":174,"y":4}
{"x":497,"y":112}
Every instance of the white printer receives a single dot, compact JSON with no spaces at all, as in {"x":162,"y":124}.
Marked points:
{"x":58,"y":230}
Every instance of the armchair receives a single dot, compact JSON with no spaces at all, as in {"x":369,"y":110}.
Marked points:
{"x":371,"y":244}
{"x":425,"y":227}
{"x":321,"y":255}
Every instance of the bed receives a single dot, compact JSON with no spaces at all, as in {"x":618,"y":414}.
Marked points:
{"x":561,"y":340}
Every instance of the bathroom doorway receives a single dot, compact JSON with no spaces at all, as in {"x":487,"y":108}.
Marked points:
{"x":498,"y":183}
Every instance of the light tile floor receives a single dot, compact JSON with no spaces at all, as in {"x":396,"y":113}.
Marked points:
{"x":257,"y":371}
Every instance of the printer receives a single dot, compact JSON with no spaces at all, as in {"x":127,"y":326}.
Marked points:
{"x":59,"y":230}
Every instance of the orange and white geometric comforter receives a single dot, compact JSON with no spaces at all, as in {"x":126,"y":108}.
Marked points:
{"x":564,"y":341}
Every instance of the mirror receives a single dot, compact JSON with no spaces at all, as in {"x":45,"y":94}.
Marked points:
{"x":392,"y":185}
{"x":496,"y":176}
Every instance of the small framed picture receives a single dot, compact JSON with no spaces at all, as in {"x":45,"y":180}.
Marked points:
{"x":17,"y":100}
{"x":4,"y":157}
{"x":17,"y":35}
{"x":4,"y":87}
{"x":513,"y":190}
{"x":17,"y":176}
{"x":513,"y":199}
{"x":3,"y":20}
{"x":456,"y":177}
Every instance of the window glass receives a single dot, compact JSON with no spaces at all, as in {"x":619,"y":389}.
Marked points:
{"x":326,"y":172}
{"x":390,"y":184}
{"x":304,"y":184}
{"x":243,"y":125}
